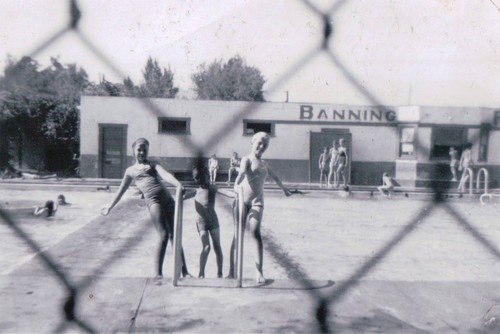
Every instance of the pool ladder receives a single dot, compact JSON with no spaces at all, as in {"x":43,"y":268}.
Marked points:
{"x":483,"y":171}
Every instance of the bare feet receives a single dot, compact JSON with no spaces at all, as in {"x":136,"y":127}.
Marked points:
{"x":187,"y":275}
{"x":259,"y":278}
{"x":158,"y":280}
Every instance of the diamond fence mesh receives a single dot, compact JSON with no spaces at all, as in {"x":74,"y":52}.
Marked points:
{"x":325,"y":303}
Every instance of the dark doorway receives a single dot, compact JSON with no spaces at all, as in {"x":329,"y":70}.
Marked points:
{"x":325,"y":138}
{"x":112,"y":150}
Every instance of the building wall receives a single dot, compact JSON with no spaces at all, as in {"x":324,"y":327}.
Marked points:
{"x":454,"y":115}
{"x":424,"y":144}
{"x":217,"y":127}
{"x":374,"y":143}
{"x":494,"y":148}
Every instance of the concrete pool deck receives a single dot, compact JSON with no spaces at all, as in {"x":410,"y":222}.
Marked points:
{"x":361,"y":191}
{"x":377,"y":268}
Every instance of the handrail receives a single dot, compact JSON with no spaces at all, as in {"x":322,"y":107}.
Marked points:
{"x":486,"y":180}
{"x":177,"y":237}
{"x":241,"y":234}
{"x":483,"y":196}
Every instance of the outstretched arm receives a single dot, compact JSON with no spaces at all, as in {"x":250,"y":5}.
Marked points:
{"x":127,"y":179}
{"x":278,"y":181}
{"x":169,"y":178}
{"x":39,"y":210}
{"x":241,"y":173}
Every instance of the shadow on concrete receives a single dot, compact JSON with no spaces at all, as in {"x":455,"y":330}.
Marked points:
{"x":271,"y":284}
{"x":379,"y":322}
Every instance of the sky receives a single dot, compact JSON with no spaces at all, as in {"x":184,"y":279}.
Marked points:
{"x":398,"y":53}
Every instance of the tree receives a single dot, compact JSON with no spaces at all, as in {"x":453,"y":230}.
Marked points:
{"x":103,"y":88}
{"x":129,"y":89}
{"x":158,"y":82}
{"x":40,"y":107}
{"x":232,"y":81}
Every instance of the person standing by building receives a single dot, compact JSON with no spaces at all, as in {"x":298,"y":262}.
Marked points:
{"x":465,"y":163}
{"x":213,"y":166}
{"x":323,"y":160}
{"x":334,"y":155}
{"x":343,"y":161}
{"x":453,"y":162}
{"x":234,"y":164}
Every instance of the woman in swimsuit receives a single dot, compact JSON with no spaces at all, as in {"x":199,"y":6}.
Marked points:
{"x":147,"y":176}
{"x":342,"y":162}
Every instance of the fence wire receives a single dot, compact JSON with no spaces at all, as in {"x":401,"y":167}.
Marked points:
{"x":325,"y":303}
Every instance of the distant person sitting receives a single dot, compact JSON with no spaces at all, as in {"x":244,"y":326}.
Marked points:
{"x":387,"y":187}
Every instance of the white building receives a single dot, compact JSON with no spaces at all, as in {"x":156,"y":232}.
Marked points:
{"x":410,"y":142}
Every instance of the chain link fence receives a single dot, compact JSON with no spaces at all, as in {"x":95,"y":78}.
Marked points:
{"x":325,"y":303}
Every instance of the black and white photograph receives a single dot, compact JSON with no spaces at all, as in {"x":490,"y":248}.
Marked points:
{"x":250,"y":166}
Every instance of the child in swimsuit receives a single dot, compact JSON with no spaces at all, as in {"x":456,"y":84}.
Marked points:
{"x":251,"y":177}
{"x":147,"y":176}
{"x":323,"y":159}
{"x":207,"y":221}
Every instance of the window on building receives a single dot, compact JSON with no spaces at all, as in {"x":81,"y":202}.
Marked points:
{"x":484,"y":137}
{"x":174,"y":125}
{"x":407,"y":142}
{"x":443,"y":138}
{"x":496,"y":119}
{"x":252,"y":127}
